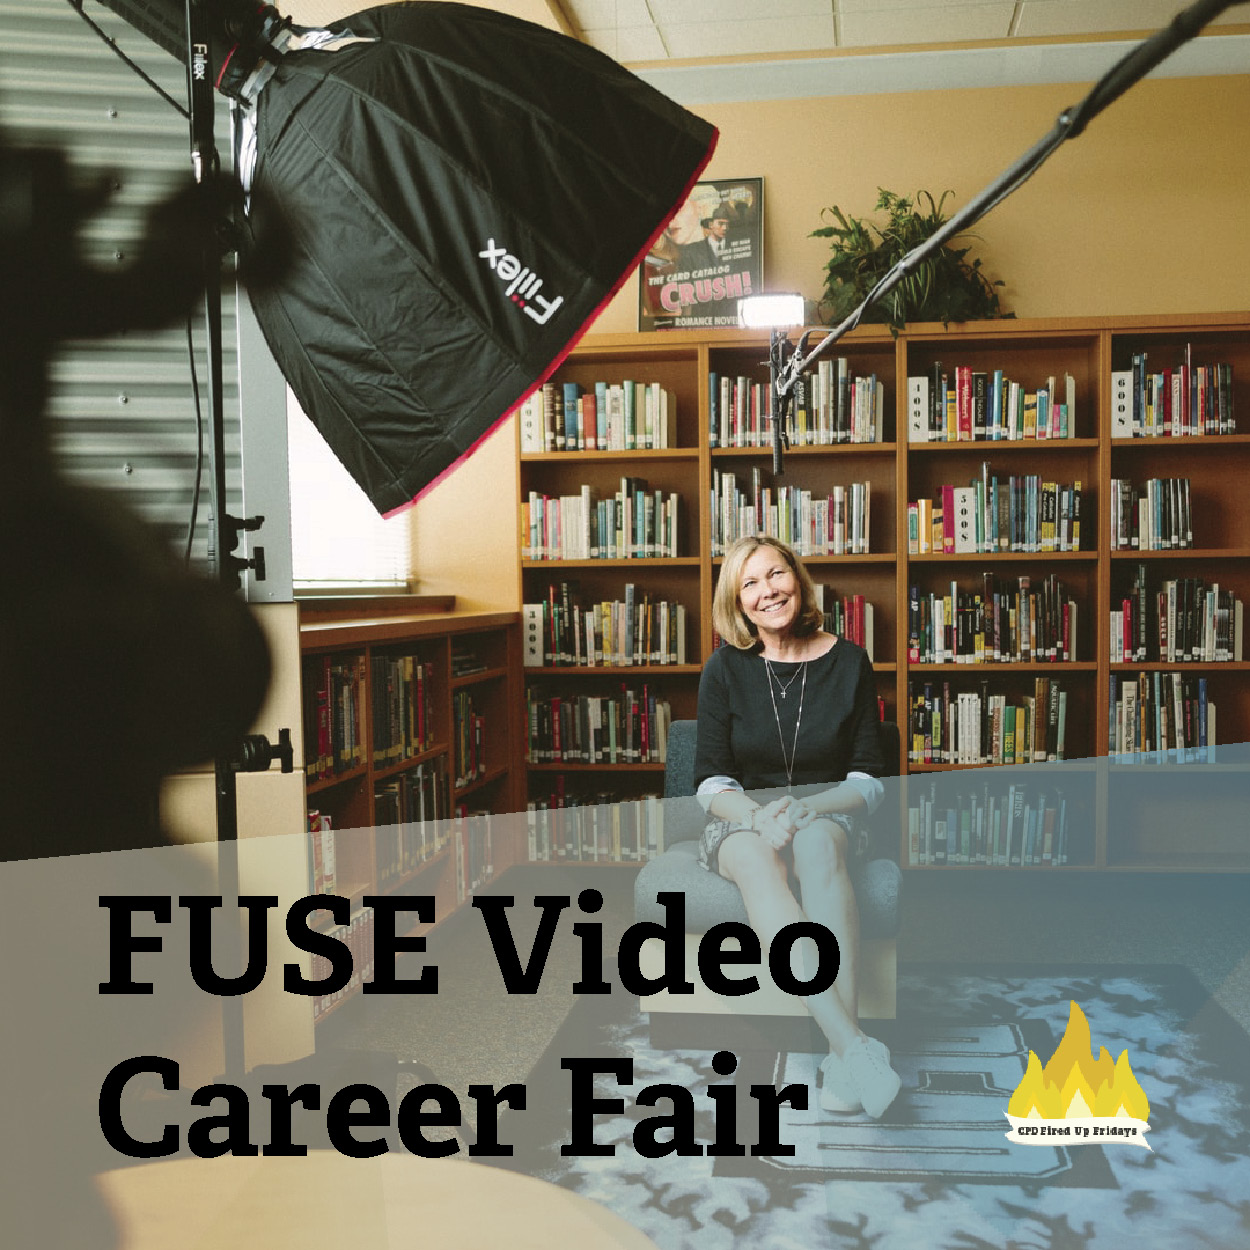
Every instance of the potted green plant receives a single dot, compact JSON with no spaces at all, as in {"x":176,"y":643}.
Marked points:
{"x":946,"y":286}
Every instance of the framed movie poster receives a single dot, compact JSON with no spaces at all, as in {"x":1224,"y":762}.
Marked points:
{"x":707,"y":259}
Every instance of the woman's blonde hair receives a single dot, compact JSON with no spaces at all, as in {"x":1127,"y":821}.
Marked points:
{"x":728,"y":618}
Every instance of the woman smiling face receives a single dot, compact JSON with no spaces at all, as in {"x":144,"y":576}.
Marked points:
{"x":769,"y":592}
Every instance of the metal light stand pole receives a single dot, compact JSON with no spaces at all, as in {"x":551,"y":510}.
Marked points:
{"x":1133,"y":66}
{"x":780,"y":396}
{"x":255,"y":752}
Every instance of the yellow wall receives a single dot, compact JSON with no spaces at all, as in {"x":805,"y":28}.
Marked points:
{"x":1146,"y":212}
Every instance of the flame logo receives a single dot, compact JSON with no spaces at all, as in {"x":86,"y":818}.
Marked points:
{"x":1077,"y":1097}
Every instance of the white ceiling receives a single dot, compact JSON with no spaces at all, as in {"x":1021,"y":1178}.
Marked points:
{"x":664,"y":30}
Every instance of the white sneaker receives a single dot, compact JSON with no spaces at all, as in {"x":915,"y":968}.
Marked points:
{"x":866,"y":1062}
{"x":837,"y":1090}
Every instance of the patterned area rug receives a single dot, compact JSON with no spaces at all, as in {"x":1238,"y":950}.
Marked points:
{"x":937,"y":1171}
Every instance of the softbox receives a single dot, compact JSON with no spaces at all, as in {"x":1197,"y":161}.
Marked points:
{"x":465,"y":192}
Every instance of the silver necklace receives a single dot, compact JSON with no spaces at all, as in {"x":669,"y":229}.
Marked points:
{"x":783,"y":687}
{"x":794,"y":746}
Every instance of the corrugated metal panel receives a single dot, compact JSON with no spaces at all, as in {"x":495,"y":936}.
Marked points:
{"x":122,"y":410}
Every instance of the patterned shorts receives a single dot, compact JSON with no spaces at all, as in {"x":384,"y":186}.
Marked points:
{"x":717,"y":830}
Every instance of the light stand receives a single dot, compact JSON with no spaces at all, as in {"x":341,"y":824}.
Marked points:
{"x":784,"y":373}
{"x":255,"y":754}
{"x":781,"y":395}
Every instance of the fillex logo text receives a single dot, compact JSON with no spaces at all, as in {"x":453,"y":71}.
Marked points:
{"x":523,"y":284}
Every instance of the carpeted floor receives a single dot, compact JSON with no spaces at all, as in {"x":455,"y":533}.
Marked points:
{"x":937,"y":1171}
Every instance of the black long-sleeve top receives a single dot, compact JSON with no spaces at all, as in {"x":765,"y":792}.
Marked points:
{"x":738,"y":734}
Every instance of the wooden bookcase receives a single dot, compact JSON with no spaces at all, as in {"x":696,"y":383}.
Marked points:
{"x":1029,"y":352}
{"x":362,"y":749}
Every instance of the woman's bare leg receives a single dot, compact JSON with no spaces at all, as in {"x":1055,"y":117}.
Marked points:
{"x":820,"y":863}
{"x":761,"y":875}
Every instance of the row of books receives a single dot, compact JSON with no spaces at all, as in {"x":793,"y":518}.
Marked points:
{"x":1023,"y":827}
{"x":401,"y":707}
{"x":831,"y":405}
{"x":411,"y":813}
{"x":469,"y":834}
{"x":357,"y":936}
{"x":626,"y":632}
{"x":835,"y":524}
{"x":1155,"y":516}
{"x":607,"y":416}
{"x":1181,"y":400}
{"x":465,"y":662}
{"x":635,"y":524}
{"x":626,"y":727}
{"x":847,"y":616}
{"x":468,"y":738}
{"x":322,"y":860}
{"x":473,"y":849}
{"x":1006,"y":621}
{"x":971,"y":727}
{"x":971,"y":405}
{"x":602,"y":827}
{"x":334,"y":728}
{"x":1159,"y":711}
{"x":1194,"y":621}
{"x":1019,"y":513}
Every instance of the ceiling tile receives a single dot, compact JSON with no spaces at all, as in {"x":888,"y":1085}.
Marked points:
{"x":874,"y":6}
{"x":639,"y":43}
{"x":1081,"y":17}
{"x":667,"y":12}
{"x":931,"y":24}
{"x":1006,"y":64}
{"x":694,"y":39}
{"x":602,"y":14}
{"x":603,"y":40}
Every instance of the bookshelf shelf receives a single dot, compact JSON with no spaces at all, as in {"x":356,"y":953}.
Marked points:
{"x":1179,"y":863}
{"x":480,"y":783}
{"x":1149,"y":762}
{"x":984,"y":448}
{"x":871,"y":557}
{"x":639,"y":455}
{"x":382,"y":771}
{"x":339,"y":779}
{"x":1182,"y":666}
{"x":477,"y":679}
{"x":814,"y":451}
{"x":649,"y":766}
{"x":1038,"y":771}
{"x":438,"y":860}
{"x":564,"y":862}
{"x":1042,"y":667}
{"x":1075,"y":361}
{"x":615,"y":671}
{"x":641,"y":562}
{"x":999,"y":869}
{"x":1193,"y":442}
{"x":1185,"y":553}
{"x":377,"y":679}
{"x":1004,"y":557}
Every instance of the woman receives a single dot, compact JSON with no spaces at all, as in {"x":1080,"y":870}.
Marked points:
{"x":785,"y":705}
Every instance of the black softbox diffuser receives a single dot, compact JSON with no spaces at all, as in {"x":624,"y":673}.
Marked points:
{"x":465,"y":192}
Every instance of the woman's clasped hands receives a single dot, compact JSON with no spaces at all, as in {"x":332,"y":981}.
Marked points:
{"x":778,"y":821}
